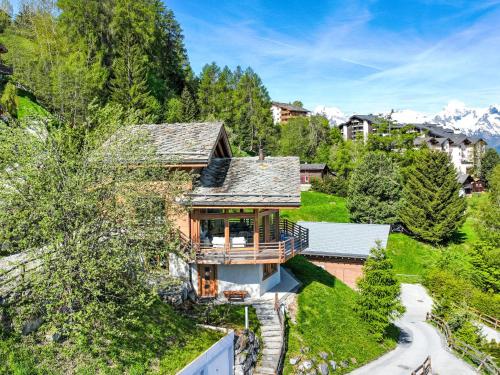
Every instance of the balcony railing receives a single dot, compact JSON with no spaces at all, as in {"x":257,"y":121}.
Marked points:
{"x":293,"y":240}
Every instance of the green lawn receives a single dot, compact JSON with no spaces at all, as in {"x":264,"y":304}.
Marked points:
{"x":409,"y":256}
{"x":28,"y":107}
{"x":412,"y":258}
{"x":319,"y":207}
{"x":163,"y":341}
{"x":326,"y":321}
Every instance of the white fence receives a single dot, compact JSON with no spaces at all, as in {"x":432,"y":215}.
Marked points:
{"x":217,"y":360}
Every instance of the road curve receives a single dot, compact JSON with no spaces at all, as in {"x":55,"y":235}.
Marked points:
{"x":418,"y":339}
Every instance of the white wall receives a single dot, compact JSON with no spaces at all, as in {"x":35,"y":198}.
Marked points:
{"x":366,"y":130}
{"x":456,"y":157}
{"x":271,"y":281}
{"x":276,"y":111}
{"x":178,"y":267}
{"x":217,"y":360}
{"x":246,"y":277}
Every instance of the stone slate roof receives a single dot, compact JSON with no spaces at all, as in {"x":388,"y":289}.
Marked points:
{"x":421,"y":140}
{"x":179,"y":143}
{"x":247,"y":181}
{"x":344,"y":239}
{"x":370,"y":118}
{"x":312,"y":166}
{"x":290,"y":107}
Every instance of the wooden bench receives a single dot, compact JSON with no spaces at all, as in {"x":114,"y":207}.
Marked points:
{"x":235,"y":295}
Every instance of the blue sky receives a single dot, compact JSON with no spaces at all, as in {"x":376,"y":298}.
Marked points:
{"x":359,"y":56}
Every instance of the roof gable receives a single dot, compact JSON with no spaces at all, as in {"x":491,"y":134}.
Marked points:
{"x":179,"y":143}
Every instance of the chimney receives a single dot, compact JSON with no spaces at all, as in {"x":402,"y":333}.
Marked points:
{"x":261,"y":154}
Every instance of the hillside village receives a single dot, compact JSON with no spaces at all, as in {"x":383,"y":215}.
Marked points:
{"x":155,"y":220}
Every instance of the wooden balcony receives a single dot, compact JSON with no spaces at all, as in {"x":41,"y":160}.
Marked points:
{"x":293,"y":240}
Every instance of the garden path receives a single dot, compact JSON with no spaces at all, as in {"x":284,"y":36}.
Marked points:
{"x":418,"y":339}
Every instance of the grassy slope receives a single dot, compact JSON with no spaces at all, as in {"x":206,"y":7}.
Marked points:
{"x":26,"y":107}
{"x":319,"y":207}
{"x":411,"y":257}
{"x":326,"y":321}
{"x":164,"y":341}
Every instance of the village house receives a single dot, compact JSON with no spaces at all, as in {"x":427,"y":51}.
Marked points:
{"x":465,"y":152}
{"x":232,"y":225}
{"x":312,"y":171}
{"x":282,"y":112}
{"x":341,"y":249}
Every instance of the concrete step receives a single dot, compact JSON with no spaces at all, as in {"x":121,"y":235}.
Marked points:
{"x":271,"y":352}
{"x":264,"y":371}
{"x":273,"y":337}
{"x":270,"y":327}
{"x":267,"y":364}
{"x":267,"y":315}
{"x":273,"y":345}
{"x":272,"y":340}
{"x":272,"y":359}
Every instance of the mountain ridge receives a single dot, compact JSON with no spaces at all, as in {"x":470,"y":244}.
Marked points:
{"x":476,"y":122}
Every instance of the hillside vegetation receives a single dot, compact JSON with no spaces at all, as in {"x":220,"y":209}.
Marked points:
{"x":326,"y":322}
{"x":161,"y":341}
{"x":319,"y":207}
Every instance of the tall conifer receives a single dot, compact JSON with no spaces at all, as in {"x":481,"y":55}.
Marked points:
{"x":431,"y":207}
{"x":379,"y":291}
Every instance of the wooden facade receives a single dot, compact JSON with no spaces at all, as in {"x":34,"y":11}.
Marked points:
{"x":243,"y":236}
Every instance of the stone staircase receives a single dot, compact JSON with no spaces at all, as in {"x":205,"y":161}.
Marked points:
{"x":272,"y":340}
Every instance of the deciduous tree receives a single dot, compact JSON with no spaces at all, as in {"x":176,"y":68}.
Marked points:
{"x":374,"y":190}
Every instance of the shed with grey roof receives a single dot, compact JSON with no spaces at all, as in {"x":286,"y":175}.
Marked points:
{"x":342,"y":248}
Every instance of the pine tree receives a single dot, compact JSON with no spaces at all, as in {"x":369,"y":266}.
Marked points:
{"x":379,"y":291}
{"x":488,"y":162}
{"x":129,"y":85}
{"x":189,"y":108}
{"x":254,"y":123}
{"x":374,"y":190}
{"x":431,"y":207}
{"x":207,"y":92}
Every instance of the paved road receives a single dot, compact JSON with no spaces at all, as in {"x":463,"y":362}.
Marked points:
{"x":418,"y":340}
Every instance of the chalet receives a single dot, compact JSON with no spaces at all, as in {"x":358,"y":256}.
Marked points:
{"x":232,"y":226}
{"x":469,"y":184}
{"x":341,"y":249}
{"x":282,"y":112}
{"x":312,"y":171}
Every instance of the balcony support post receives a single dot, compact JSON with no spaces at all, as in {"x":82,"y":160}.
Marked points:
{"x":227,"y":239}
{"x":256,"y":229}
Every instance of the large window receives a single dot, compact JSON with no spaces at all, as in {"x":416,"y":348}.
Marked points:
{"x":269,"y":270}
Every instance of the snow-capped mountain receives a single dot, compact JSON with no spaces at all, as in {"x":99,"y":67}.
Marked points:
{"x":334,"y":115}
{"x":479,"y":122}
